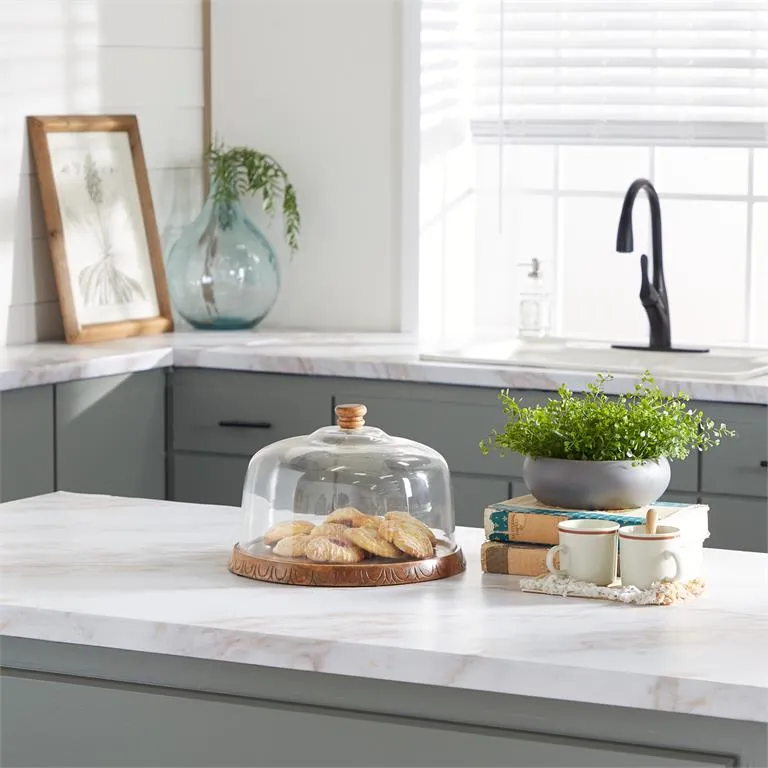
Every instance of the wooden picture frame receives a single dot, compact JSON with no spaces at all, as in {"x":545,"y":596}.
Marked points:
{"x":102,"y":232}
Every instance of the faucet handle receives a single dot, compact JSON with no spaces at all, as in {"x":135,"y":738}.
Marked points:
{"x":649,"y":296}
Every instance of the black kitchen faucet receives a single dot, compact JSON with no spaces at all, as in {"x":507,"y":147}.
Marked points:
{"x":653,"y":292}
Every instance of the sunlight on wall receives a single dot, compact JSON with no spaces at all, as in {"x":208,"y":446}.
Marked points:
{"x":48,"y":65}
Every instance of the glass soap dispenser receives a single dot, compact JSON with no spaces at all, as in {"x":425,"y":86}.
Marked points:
{"x":534,"y":300}
{"x":348,"y":505}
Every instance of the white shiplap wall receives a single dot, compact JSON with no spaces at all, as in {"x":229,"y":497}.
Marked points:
{"x":141,"y":57}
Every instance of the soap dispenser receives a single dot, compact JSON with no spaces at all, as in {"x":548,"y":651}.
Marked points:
{"x":534,"y":300}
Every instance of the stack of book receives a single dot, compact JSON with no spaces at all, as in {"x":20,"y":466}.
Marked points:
{"x":519,"y":532}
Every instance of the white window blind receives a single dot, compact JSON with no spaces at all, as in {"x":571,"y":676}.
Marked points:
{"x":621,"y":71}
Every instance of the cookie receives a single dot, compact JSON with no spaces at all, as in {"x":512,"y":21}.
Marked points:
{"x":291,"y":546}
{"x":409,"y":519}
{"x":348,"y":516}
{"x":413,"y":542}
{"x":329,"y":529}
{"x":327,"y":549}
{"x":366,"y":538}
{"x":286,"y":529}
{"x":387,"y":529}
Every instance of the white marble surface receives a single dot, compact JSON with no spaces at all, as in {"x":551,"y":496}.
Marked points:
{"x":356,"y":355}
{"x":151,"y":576}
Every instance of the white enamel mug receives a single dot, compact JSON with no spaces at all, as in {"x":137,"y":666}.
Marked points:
{"x":649,"y":557}
{"x":587,"y":550}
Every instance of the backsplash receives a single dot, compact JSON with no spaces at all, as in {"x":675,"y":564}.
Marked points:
{"x":93,"y":57}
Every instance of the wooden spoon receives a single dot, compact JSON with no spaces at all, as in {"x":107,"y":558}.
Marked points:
{"x":650,"y":521}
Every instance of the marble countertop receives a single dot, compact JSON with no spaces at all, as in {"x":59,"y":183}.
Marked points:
{"x":151,"y":576}
{"x":385,"y":356}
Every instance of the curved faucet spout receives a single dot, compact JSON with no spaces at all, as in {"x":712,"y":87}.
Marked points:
{"x":653,"y":294}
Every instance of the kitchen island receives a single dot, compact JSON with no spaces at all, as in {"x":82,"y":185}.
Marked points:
{"x":125,"y":641}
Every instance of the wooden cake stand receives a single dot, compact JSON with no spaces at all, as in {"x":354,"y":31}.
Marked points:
{"x":259,"y":563}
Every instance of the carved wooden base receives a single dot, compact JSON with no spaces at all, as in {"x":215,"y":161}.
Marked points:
{"x":380,"y":573}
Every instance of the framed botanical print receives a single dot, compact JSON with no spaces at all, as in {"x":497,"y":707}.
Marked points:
{"x":102,"y":232}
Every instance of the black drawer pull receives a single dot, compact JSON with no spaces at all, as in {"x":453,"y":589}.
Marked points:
{"x":246,"y":424}
{"x":764,"y":463}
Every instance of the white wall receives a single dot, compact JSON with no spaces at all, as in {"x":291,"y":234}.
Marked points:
{"x":92,"y":57}
{"x":317,"y":84}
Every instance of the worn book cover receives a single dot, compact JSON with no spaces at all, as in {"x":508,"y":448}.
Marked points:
{"x":514,"y":559}
{"x":524,"y":519}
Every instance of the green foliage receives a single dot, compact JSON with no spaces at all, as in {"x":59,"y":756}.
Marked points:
{"x":237,"y":171}
{"x":642,"y":424}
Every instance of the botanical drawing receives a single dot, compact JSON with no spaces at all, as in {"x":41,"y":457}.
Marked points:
{"x":100,"y":215}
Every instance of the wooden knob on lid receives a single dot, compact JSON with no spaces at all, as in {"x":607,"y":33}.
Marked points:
{"x":350,"y":416}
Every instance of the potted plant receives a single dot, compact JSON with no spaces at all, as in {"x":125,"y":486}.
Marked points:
{"x":596,"y":452}
{"x":222,"y":272}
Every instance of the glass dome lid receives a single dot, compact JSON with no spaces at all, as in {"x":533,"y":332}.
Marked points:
{"x":348,"y":505}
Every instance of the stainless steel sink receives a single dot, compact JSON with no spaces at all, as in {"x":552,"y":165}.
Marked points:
{"x":565,"y":354}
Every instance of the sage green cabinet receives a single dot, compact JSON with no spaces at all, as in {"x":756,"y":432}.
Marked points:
{"x":221,"y":418}
{"x":110,"y":435}
{"x":453,"y":420}
{"x":472,"y":494}
{"x":228,"y":412}
{"x":738,"y":465}
{"x":26,"y":443}
{"x":207,"y":478}
{"x":737,"y":522}
{"x":72,"y":721}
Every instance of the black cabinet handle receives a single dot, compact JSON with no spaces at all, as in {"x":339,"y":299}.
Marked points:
{"x":764,"y":463}
{"x":246,"y":424}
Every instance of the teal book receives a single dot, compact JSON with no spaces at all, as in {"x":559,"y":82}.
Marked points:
{"x":524,"y":519}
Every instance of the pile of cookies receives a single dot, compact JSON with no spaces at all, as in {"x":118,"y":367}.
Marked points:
{"x":349,"y":536}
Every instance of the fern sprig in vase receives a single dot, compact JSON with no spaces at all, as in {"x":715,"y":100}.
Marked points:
{"x":223,"y":273}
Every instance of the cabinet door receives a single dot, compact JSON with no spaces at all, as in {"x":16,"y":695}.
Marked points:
{"x":738,"y":465}
{"x":26,"y":442}
{"x":204,"y":479}
{"x":737,"y":522}
{"x":471,"y":495}
{"x":110,"y":435}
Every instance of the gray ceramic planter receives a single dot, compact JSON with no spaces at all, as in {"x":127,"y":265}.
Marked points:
{"x":595,"y":484}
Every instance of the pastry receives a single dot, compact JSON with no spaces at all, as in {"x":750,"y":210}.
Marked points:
{"x":291,"y":546}
{"x":368,"y":539}
{"x":329,"y":529}
{"x":387,"y":528}
{"x":285,"y":529}
{"x":348,"y":516}
{"x":409,"y":519}
{"x":411,"y":539}
{"x":413,"y":542}
{"x":373,"y":521}
{"x":327,"y":549}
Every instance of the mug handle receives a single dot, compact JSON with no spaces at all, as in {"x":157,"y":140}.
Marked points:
{"x":551,"y":560}
{"x":667,"y":553}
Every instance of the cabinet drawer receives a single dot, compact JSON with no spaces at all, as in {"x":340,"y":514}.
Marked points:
{"x":735,"y":466}
{"x":452,"y":420}
{"x":240,"y":413}
{"x":737,"y":523}
{"x":202,"y":479}
{"x":471,"y":495}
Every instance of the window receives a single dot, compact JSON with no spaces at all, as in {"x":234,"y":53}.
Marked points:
{"x":563,"y":103}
